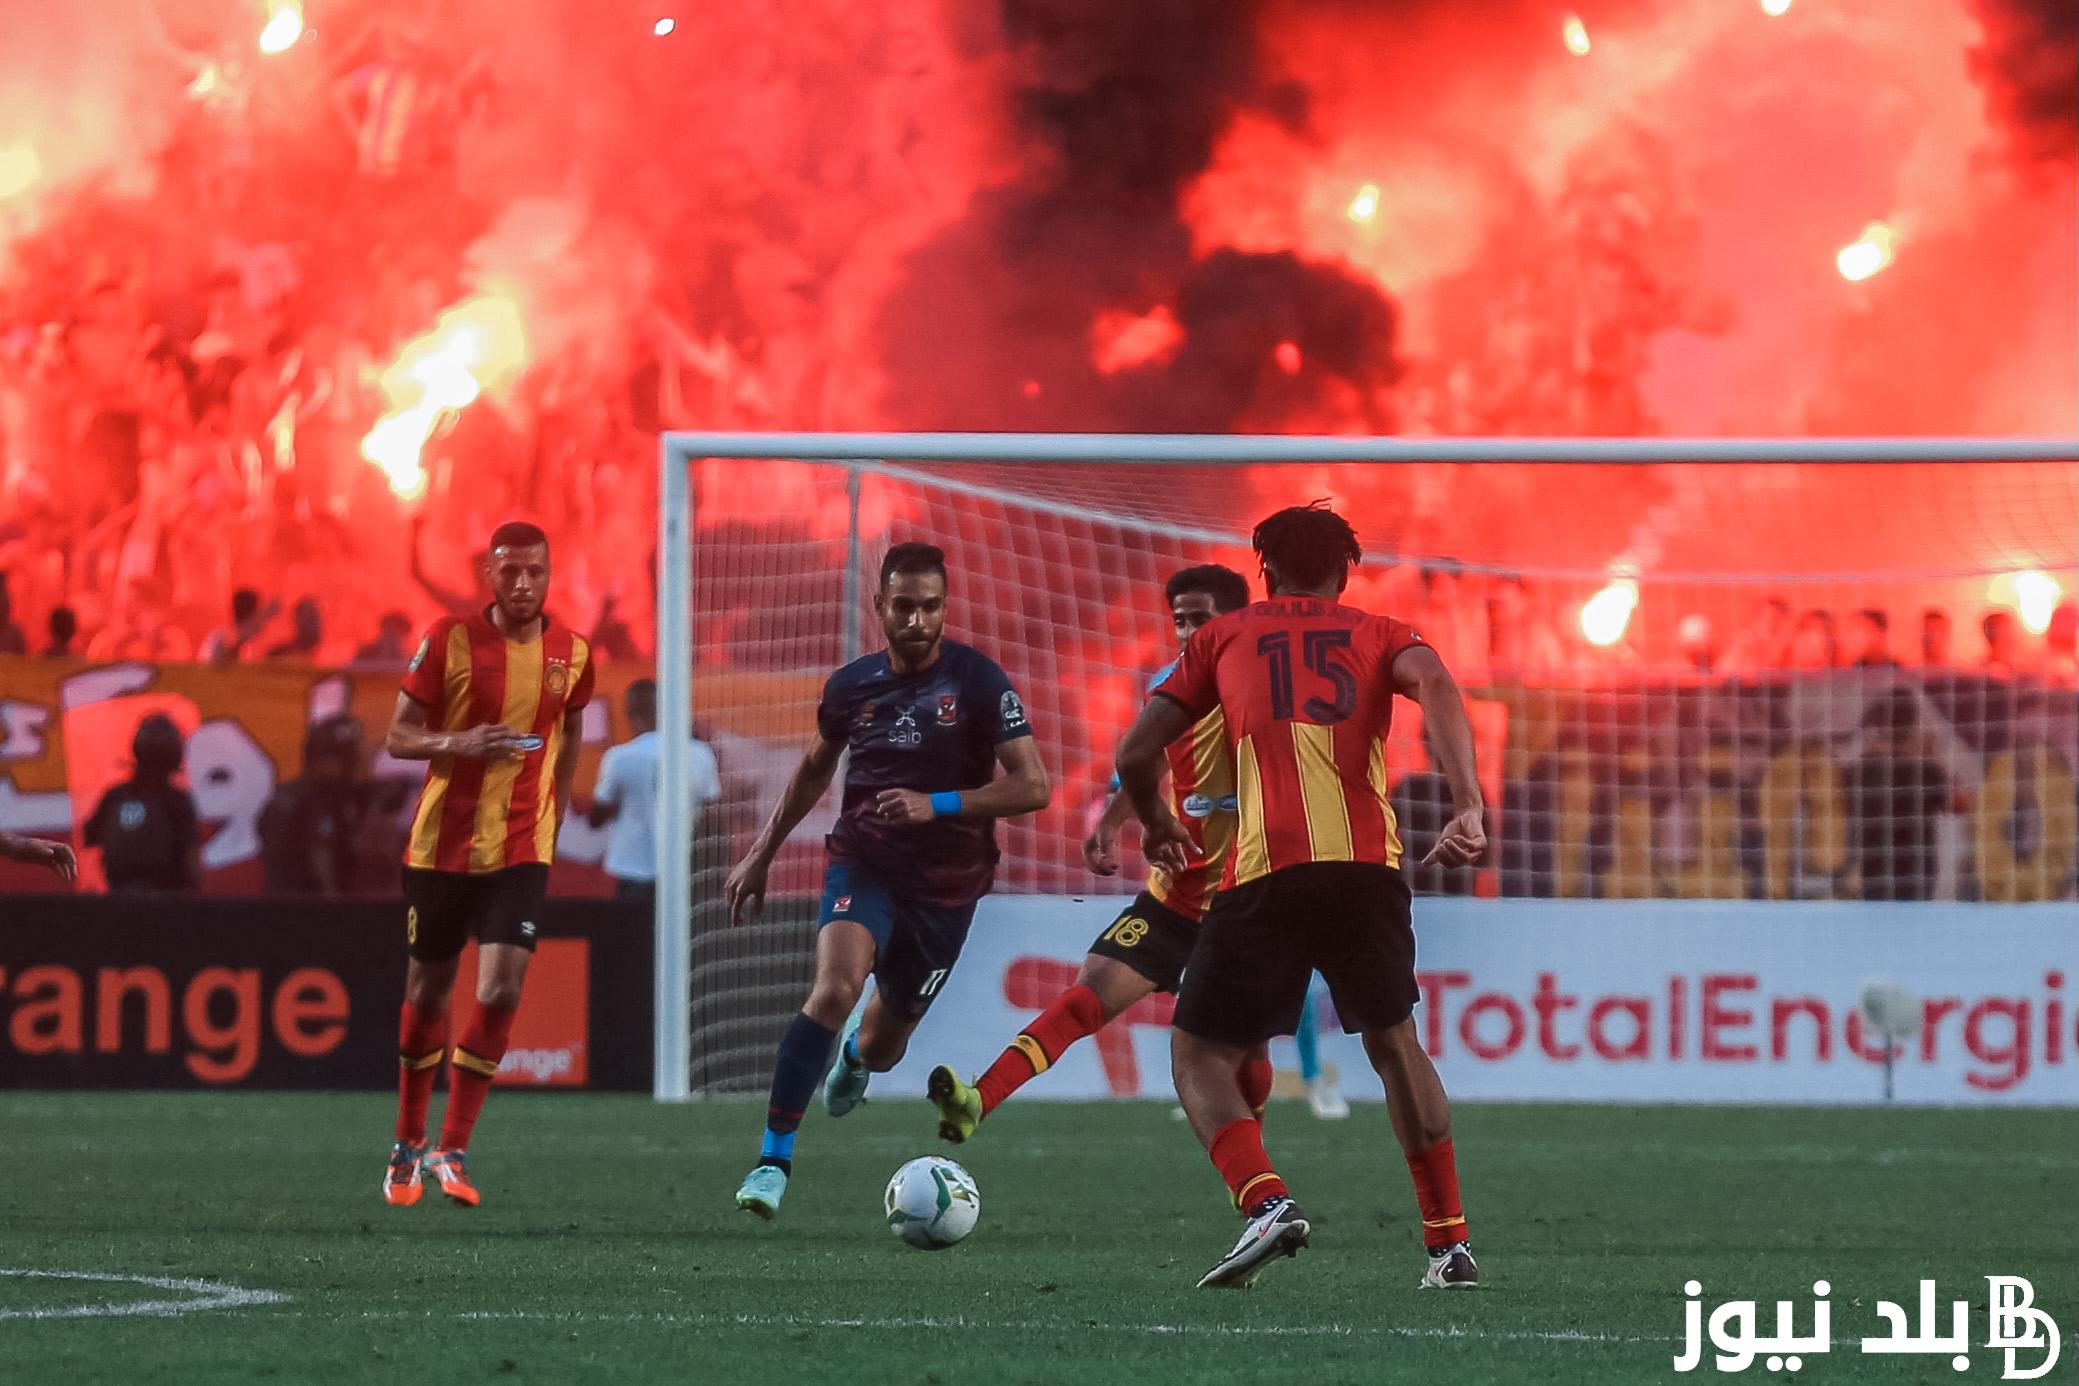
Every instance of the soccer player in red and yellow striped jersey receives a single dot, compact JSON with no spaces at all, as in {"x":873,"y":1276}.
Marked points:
{"x":1144,"y":949}
{"x":494,"y":702}
{"x":1313,"y":882}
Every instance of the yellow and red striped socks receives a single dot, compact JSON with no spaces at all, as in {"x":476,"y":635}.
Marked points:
{"x":470,"y":1071}
{"x":1075,"y":1013}
{"x":421,"y":1041}
{"x":1436,"y":1189}
{"x":1238,"y":1154}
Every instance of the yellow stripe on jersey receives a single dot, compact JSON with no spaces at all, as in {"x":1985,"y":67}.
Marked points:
{"x":454,"y":716}
{"x":494,"y":802}
{"x":1376,"y":773}
{"x":1214,"y":770}
{"x":545,"y":830}
{"x":1251,"y":846}
{"x":1321,"y":792}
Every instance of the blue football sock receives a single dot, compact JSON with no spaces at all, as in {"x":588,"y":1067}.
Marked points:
{"x":803,"y":1057}
{"x":1308,"y":1038}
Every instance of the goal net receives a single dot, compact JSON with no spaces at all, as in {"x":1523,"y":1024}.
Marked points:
{"x":1765,"y":679}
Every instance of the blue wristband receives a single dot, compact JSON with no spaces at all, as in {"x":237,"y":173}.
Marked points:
{"x":945,"y":804}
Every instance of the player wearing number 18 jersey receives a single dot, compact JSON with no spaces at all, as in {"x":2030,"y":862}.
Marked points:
{"x":1313,"y":881}
{"x":1144,"y":949}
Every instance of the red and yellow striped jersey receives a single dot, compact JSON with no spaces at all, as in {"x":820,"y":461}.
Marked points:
{"x":1306,"y":686}
{"x":1201,"y":795}
{"x":477,"y":816}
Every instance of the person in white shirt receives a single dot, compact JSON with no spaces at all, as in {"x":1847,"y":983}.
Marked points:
{"x":625,"y":798}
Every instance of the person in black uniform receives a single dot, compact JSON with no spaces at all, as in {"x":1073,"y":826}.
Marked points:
{"x":146,"y":826}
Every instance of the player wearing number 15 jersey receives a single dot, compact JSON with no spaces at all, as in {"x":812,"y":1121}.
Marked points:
{"x":1313,"y":881}
{"x":1144,"y":949}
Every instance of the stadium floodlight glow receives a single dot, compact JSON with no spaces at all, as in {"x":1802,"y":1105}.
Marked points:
{"x":283,"y":28}
{"x":788,"y":595}
{"x":1365,"y":205}
{"x":1605,"y":615}
{"x":1575,"y":34}
{"x":1867,"y":254}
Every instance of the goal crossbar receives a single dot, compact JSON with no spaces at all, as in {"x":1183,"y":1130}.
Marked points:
{"x":673,"y":949}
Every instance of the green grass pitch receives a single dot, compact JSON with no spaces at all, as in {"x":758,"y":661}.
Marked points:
{"x":608,"y":1249}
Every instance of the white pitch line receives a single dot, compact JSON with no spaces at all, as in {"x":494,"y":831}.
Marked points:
{"x":913,"y":1322}
{"x":212,"y":1294}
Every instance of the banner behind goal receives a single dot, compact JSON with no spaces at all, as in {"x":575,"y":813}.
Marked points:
{"x":1756,"y":674}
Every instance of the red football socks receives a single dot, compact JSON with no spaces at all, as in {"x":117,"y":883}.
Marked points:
{"x":421,"y":1038}
{"x":1436,"y":1189}
{"x":470,"y":1073}
{"x":1254,"y":1079}
{"x":1239,"y":1156}
{"x":1075,"y":1013}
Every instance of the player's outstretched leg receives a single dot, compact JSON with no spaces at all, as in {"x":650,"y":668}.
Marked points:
{"x":1074,"y":1014}
{"x":1206,"y":1076}
{"x":1421,"y":1116}
{"x":804,"y":1049}
{"x":1322,"y":1095}
{"x":845,"y":1086}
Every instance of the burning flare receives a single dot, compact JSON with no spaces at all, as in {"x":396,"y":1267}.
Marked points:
{"x":284,"y":27}
{"x":476,"y":345}
{"x":1867,"y":254}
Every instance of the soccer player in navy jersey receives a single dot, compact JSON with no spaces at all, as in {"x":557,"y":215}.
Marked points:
{"x":926,"y":722}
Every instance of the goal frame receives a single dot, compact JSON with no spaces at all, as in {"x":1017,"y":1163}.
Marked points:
{"x":672,"y":1002}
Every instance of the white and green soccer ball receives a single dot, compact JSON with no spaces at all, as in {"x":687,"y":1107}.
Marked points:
{"x":932,"y":1203}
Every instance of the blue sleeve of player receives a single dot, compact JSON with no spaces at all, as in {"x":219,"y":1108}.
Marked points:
{"x":1006,"y":717}
{"x":834,"y":712}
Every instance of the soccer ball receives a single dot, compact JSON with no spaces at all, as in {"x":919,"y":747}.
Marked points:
{"x":932,"y":1203}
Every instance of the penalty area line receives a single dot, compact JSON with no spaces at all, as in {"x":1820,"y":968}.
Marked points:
{"x":204,"y":1295}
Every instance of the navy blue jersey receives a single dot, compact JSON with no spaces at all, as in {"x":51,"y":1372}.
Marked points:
{"x":931,"y":731}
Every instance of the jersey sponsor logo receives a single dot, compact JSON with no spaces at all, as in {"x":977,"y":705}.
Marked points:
{"x":1204,"y":806}
{"x":526,"y":928}
{"x":419,"y":657}
{"x":556,"y":678}
{"x":948,"y":709}
{"x":905,"y":731}
{"x":1009,"y":710}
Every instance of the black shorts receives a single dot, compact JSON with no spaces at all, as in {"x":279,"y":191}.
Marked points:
{"x":1261,"y":941}
{"x":1152,"y":939}
{"x":915,"y":941}
{"x":445,"y":909}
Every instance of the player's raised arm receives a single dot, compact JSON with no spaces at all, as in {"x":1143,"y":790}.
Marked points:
{"x":1419,"y":674}
{"x":745,"y":888}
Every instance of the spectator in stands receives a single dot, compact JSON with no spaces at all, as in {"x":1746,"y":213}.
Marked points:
{"x":12,"y":641}
{"x":310,"y":830}
{"x":1870,"y":630}
{"x":625,"y":799}
{"x":1522,"y":637}
{"x":227,"y":644}
{"x":146,"y":826}
{"x":141,"y":631}
{"x":1812,"y":645}
{"x":2003,"y":656}
{"x":1422,"y":802}
{"x":1896,"y":789}
{"x":64,"y":629}
{"x":1693,"y":642}
{"x":1935,"y":635}
{"x":391,"y":650}
{"x":1765,"y":643}
{"x":308,"y":633}
{"x":2061,"y":646}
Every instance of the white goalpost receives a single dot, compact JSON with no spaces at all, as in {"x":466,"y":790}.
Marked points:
{"x":1075,"y":516}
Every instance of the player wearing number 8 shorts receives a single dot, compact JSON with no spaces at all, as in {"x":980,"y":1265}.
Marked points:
{"x":1144,"y":949}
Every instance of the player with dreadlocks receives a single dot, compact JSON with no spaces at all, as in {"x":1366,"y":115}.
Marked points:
{"x":1313,"y":880}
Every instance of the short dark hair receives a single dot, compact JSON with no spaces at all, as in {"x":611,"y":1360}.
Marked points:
{"x":1309,"y":545}
{"x":1228,"y":589}
{"x":157,"y":748}
{"x":913,"y":559}
{"x":1876,"y":616}
{"x":517,"y":534}
{"x":64,"y":622}
{"x":1996,"y":620}
{"x":642,"y":700}
{"x":244,"y":602}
